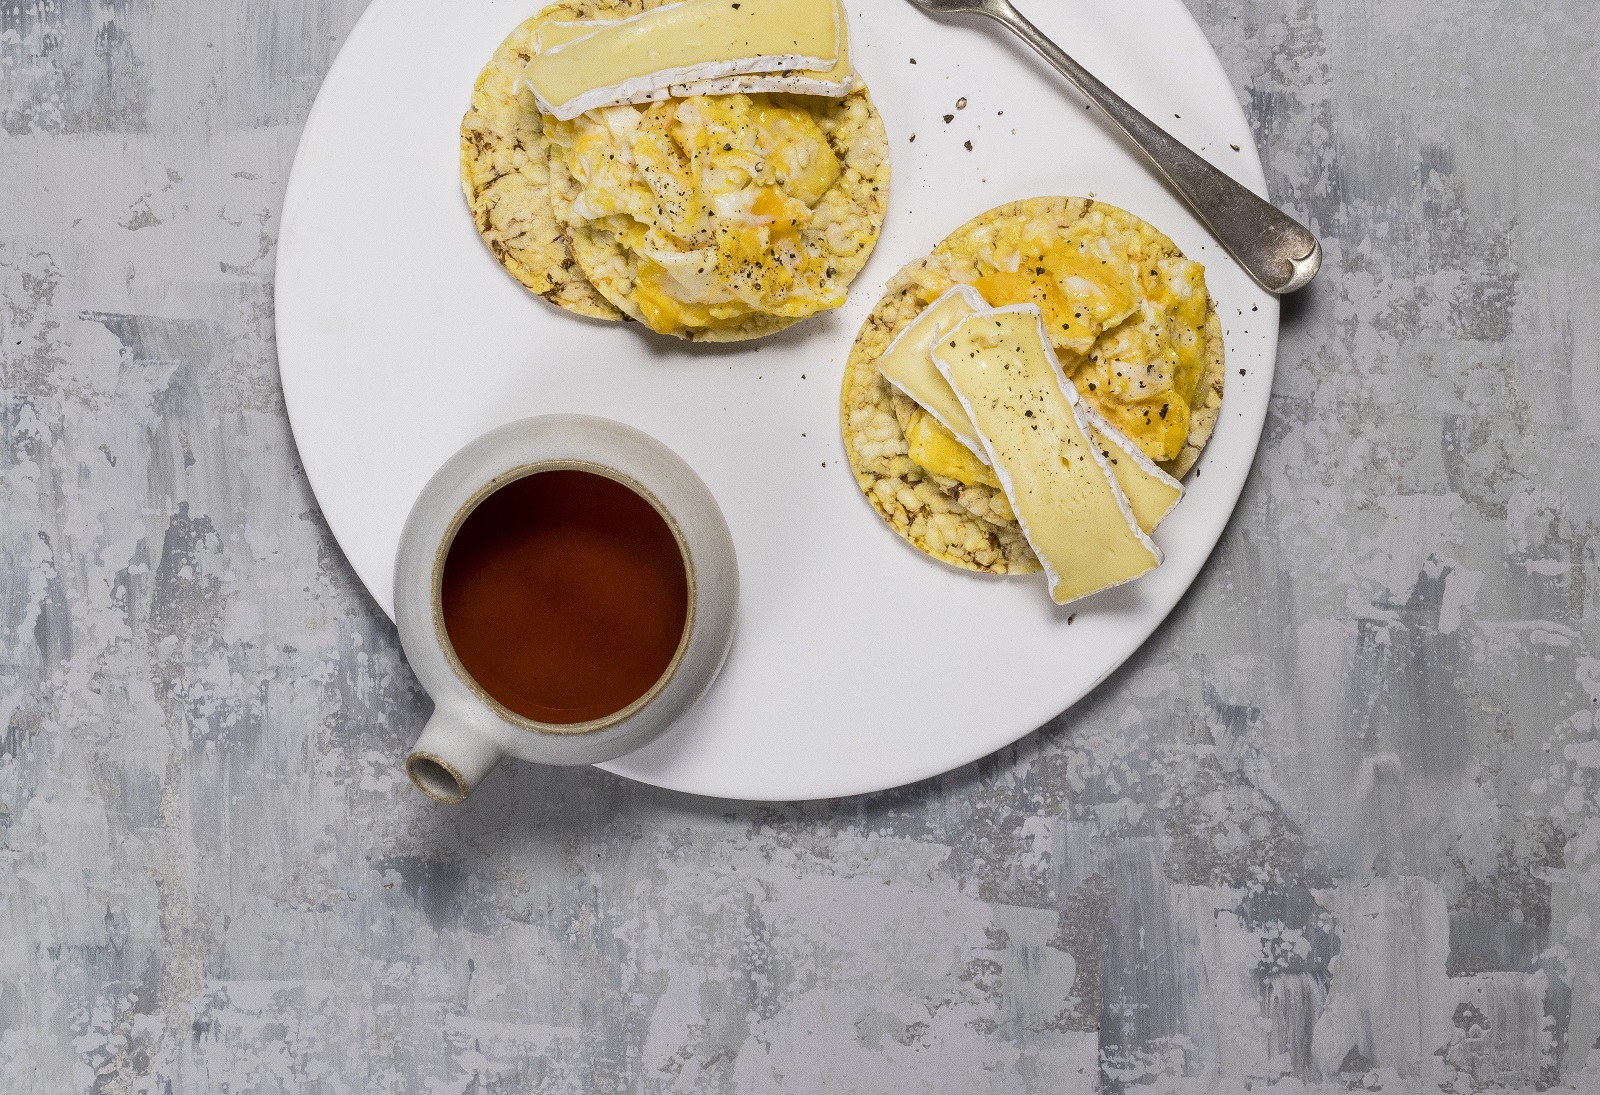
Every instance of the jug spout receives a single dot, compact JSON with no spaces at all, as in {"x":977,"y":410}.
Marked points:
{"x":450,"y":758}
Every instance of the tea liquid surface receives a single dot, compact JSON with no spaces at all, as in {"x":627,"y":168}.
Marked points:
{"x":565,"y":596}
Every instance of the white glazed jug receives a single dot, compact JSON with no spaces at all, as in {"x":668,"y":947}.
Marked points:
{"x":469,"y":731}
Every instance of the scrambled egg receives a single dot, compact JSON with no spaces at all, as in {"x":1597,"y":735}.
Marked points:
{"x":1126,"y":317}
{"x":713,"y":196}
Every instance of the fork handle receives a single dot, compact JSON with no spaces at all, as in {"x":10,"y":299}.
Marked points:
{"x":1274,"y":248}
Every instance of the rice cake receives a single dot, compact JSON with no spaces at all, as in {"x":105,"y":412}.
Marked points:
{"x":970,"y":524}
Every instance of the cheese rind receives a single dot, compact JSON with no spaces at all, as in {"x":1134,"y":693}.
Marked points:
{"x":908,"y":363}
{"x":1029,"y":418}
{"x":1150,"y":491}
{"x":710,"y":46}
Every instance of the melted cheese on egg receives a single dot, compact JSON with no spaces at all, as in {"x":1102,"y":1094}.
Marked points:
{"x":712,"y":193}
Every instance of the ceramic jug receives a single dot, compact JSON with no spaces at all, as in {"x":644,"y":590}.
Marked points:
{"x":470,"y":731}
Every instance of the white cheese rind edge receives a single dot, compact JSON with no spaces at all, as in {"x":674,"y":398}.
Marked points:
{"x":761,"y":83}
{"x":979,"y":306}
{"x":1102,"y":425}
{"x":1070,"y":393}
{"x":758,"y":83}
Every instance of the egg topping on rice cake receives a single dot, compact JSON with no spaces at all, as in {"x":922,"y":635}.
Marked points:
{"x":1128,"y":317}
{"x":730,"y":186}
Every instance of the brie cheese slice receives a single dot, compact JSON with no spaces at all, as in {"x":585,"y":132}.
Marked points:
{"x":693,"y":47}
{"x":908,"y":363}
{"x":1030,"y":421}
{"x":1150,"y":491}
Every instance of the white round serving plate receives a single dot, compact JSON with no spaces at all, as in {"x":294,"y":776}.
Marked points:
{"x":859,"y":664}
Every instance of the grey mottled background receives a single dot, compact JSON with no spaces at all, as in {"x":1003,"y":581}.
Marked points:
{"x":1338,"y":826}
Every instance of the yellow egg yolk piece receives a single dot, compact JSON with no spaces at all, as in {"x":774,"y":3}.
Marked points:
{"x":931,"y":445}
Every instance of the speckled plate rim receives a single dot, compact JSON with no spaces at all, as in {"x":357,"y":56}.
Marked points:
{"x":821,"y":698}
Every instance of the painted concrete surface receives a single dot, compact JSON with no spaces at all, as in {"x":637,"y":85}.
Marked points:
{"x":1337,"y":827}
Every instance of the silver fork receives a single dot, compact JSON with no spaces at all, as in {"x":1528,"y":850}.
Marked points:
{"x":1277,"y":250}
